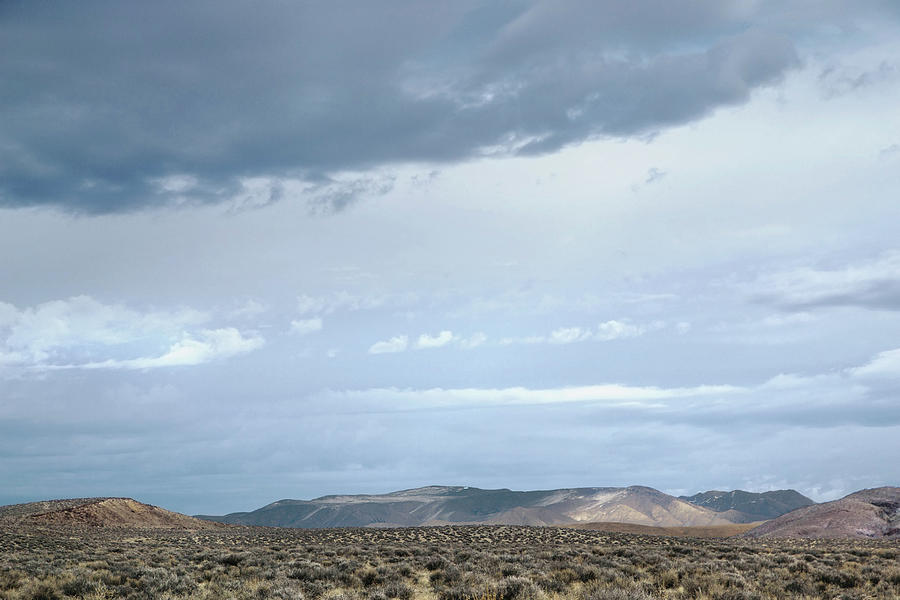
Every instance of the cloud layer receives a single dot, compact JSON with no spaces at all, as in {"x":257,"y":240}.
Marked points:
{"x":117,"y":107}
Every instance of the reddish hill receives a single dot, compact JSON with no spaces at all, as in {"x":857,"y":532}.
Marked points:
{"x":873,"y":513}
{"x":101,"y":512}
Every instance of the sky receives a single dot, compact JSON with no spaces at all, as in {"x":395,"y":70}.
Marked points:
{"x":253,"y":251}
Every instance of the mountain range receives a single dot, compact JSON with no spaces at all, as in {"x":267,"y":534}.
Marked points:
{"x":872,"y":513}
{"x":441,"y":505}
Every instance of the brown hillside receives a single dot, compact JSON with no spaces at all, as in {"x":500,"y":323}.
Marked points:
{"x":101,"y":512}
{"x":873,"y":513}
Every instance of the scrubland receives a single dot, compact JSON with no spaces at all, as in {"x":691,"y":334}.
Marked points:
{"x":440,"y":563}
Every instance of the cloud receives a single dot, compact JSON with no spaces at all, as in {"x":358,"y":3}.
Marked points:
{"x":618,"y":330}
{"x":528,"y":339}
{"x":568,"y":335}
{"x":426,"y":341}
{"x":209,"y":345}
{"x":46,"y":330}
{"x":889,"y":151}
{"x":397,"y":343}
{"x":81,"y":332}
{"x":873,"y":284}
{"x":654,"y":175}
{"x":174,"y":123}
{"x":830,"y":425}
{"x":249,"y":309}
{"x":473,"y":341}
{"x":306,"y":326}
{"x":345,"y":301}
{"x":839,"y":80}
{"x":333,"y":195}
{"x":855,"y":396}
{"x":609,"y":394}
{"x":885,"y":364}
{"x":606,"y":331}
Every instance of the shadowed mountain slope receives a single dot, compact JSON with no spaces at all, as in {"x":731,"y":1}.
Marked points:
{"x":100,"y":512}
{"x":440,"y":505}
{"x":873,"y":513}
{"x":748,"y":507}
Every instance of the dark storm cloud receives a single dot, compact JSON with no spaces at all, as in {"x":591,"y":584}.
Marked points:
{"x":103,"y":102}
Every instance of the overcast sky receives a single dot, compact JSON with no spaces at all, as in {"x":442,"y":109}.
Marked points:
{"x":281,"y":250}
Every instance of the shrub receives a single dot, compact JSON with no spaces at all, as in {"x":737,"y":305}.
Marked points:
{"x":516,"y":588}
{"x":41,"y":590}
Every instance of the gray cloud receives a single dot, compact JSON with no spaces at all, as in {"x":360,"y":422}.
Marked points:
{"x":873,"y":284}
{"x":837,"y":80}
{"x":107,"y":103}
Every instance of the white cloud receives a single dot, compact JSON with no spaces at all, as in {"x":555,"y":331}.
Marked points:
{"x":605,"y":332}
{"x":81,"y":332}
{"x":426,"y":341}
{"x":610,"y":394}
{"x":52,"y":329}
{"x":884,"y":364}
{"x":306,"y":326}
{"x":473,"y":341}
{"x":682,"y":327}
{"x":343,"y":300}
{"x":397,"y":343}
{"x":209,"y":345}
{"x":617,"y":330}
{"x":568,"y":335}
{"x":530,"y":339}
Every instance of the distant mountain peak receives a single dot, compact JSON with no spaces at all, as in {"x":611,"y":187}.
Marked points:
{"x":747,"y":507}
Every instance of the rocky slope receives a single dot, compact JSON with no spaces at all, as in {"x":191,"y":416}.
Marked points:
{"x":99,"y":512}
{"x":749,"y":507}
{"x":873,"y":513}
{"x":438,"y":505}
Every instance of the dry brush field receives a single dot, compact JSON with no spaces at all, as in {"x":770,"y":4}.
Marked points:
{"x":442,"y":563}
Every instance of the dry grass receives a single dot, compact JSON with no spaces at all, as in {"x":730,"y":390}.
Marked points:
{"x":443,"y":563}
{"x":707,"y":531}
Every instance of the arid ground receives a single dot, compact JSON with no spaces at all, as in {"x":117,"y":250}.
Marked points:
{"x":440,"y":563}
